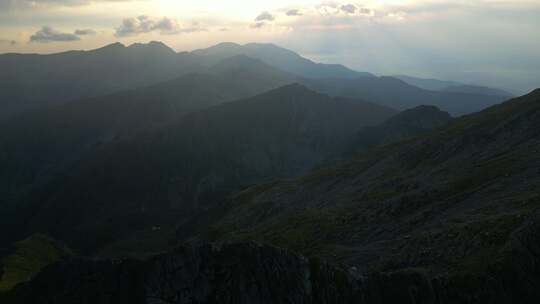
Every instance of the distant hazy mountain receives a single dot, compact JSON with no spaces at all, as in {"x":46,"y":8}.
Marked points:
{"x":280,"y":58}
{"x":36,"y":143}
{"x":193,"y":164}
{"x":29,"y":81}
{"x":427,"y":83}
{"x":477,"y":90}
{"x":244,"y":65}
{"x":399,"y":95}
{"x":451,"y":86}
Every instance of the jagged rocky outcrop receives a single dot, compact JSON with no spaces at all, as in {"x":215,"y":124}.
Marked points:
{"x":232,"y":273}
{"x":253,"y":273}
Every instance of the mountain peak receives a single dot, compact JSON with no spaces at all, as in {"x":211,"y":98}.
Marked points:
{"x":221,"y":46}
{"x":227,"y":44}
{"x":152,"y":45}
{"x":112,"y":46}
{"x":421,"y":116}
{"x":264,"y":45}
{"x":294,"y":89}
{"x":534,"y":93}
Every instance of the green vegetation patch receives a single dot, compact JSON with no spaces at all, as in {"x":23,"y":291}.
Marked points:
{"x":30,"y":256}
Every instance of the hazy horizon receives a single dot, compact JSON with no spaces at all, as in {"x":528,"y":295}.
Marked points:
{"x":482,"y":42}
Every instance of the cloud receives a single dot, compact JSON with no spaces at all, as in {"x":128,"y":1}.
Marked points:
{"x":349,"y":8}
{"x":147,"y":24}
{"x":84,"y":32}
{"x":37,"y":4}
{"x":265,"y":16}
{"x":365,"y":11}
{"x":327,"y":8}
{"x":293,"y":12}
{"x":48,"y":34}
{"x":192,"y":29}
{"x":257,"y":25}
{"x":7,"y":41}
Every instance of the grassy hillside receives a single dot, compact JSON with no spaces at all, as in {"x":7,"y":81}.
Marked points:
{"x":458,"y":199}
{"x":29,"y":257}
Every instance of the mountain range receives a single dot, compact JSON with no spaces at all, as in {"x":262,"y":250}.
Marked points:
{"x":451,"y":86}
{"x":31,"y":81}
{"x":450,"y":216}
{"x":184,"y":166}
{"x":249,"y":174}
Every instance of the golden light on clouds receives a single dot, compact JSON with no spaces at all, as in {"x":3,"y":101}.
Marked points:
{"x":382,"y":36}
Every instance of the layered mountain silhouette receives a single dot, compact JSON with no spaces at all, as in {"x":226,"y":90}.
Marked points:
{"x":451,"y":86}
{"x":190,"y":164}
{"x":31,"y":81}
{"x":38,"y":142}
{"x":280,"y":58}
{"x":399,"y":95}
{"x":284,"y":180}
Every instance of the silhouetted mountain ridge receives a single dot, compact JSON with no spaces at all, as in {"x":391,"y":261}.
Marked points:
{"x":404,"y":125}
{"x":194,"y":163}
{"x":30,"y":81}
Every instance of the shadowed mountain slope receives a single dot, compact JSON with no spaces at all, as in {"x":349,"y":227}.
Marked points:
{"x":193,"y":163}
{"x":460,"y":204}
{"x":406,"y":124}
{"x":36,"y":143}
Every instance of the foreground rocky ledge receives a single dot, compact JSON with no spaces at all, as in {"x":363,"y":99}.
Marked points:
{"x":254,"y":273}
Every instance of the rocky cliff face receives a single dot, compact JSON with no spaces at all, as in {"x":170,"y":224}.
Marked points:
{"x":235,"y":273}
{"x":254,"y":273}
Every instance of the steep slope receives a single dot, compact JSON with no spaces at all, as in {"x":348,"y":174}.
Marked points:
{"x":30,"y":81}
{"x":404,"y":125}
{"x":460,"y":204}
{"x":280,"y":58}
{"x":35,"y":144}
{"x":397,"y":94}
{"x":252,"y":273}
{"x":193,"y":164}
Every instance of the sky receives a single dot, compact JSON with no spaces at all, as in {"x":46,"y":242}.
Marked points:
{"x":488,"y":42}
